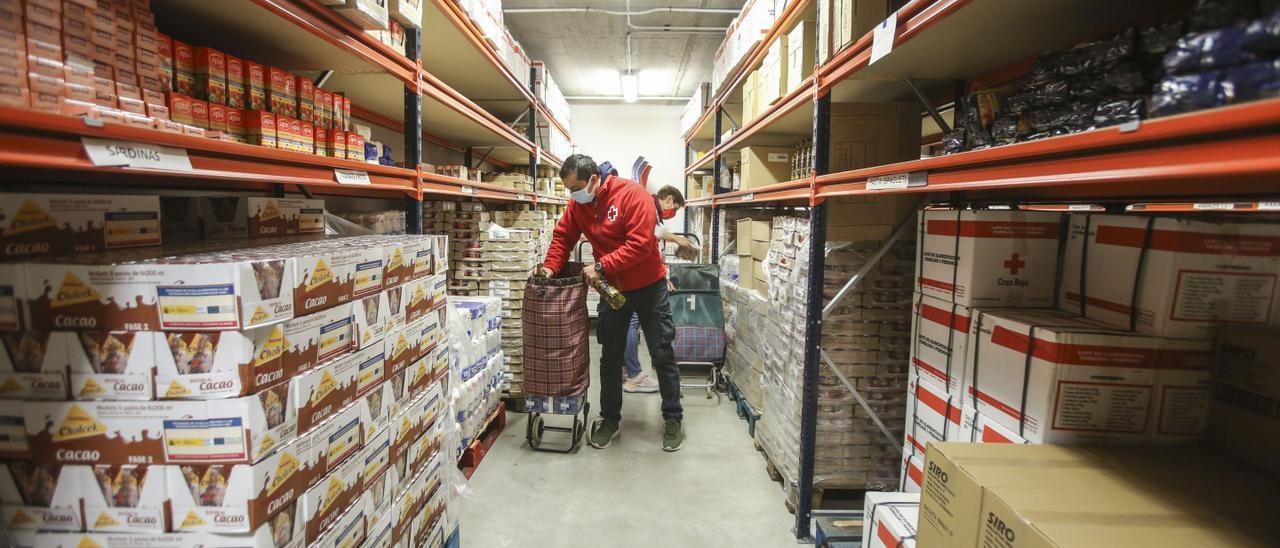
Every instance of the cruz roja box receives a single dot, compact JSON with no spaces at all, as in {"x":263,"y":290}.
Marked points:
{"x":890,"y":519}
{"x":988,"y":258}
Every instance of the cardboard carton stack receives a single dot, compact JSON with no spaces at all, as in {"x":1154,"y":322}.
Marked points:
{"x":1039,"y":495}
{"x":255,"y":392}
{"x":1125,"y":357}
{"x":746,"y":315}
{"x":890,"y":519}
{"x":752,"y":246}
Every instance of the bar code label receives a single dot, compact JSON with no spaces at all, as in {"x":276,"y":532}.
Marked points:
{"x":897,"y":180}
{"x":351,"y":177}
{"x":467,"y":190}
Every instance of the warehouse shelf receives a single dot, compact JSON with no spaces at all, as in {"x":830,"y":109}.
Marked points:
{"x":797,"y":10}
{"x":782,"y":124}
{"x":457,"y":52}
{"x":301,"y":37}
{"x":48,"y":144}
{"x":441,"y":186}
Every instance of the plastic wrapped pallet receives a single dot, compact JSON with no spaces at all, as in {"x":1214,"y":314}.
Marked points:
{"x":866,"y":337}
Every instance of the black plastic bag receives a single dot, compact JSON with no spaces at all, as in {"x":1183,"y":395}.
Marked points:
{"x":1008,"y":129}
{"x":1161,"y":37}
{"x":953,"y":141}
{"x":1212,"y":14}
{"x":1121,"y":46}
{"x":1119,"y":111}
{"x":1126,"y":77}
{"x":1207,"y":50}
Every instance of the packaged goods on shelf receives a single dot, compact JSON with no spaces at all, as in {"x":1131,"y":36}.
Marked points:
{"x":38,"y":224}
{"x":1246,"y":372}
{"x":257,"y":217}
{"x":1163,"y":497}
{"x":890,"y":519}
{"x":549,"y":93}
{"x":381,"y":222}
{"x":1054,"y":378}
{"x":763,"y":166}
{"x":393,"y":36}
{"x":799,"y":55}
{"x":746,"y":30}
{"x":841,"y":22}
{"x":989,"y":258}
{"x":1170,"y":276}
{"x":697,"y":105}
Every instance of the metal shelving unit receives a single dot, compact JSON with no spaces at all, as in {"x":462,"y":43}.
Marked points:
{"x":1222,"y":159}
{"x":387,"y":89}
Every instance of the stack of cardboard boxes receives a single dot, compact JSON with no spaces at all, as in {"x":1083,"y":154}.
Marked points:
{"x":746,"y":314}
{"x":479,"y":371}
{"x":753,"y":251}
{"x":246,"y":391}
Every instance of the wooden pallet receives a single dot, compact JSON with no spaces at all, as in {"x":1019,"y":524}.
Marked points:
{"x":515,"y":403}
{"x":480,"y":446}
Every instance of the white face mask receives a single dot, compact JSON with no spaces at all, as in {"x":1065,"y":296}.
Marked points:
{"x":582,"y":196}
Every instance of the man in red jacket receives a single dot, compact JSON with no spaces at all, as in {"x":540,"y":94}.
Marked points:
{"x":618,"y":218}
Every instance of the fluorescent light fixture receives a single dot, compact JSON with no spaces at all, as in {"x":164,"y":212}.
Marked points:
{"x":630,"y":87}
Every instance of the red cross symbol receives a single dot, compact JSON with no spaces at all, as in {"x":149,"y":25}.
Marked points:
{"x":1014,"y":264}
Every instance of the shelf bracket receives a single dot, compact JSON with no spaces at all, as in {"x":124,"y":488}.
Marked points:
{"x":862,"y":402}
{"x":482,"y":158}
{"x":924,"y":101}
{"x":736,"y":126}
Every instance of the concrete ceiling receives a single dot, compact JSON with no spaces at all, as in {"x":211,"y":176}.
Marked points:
{"x":586,"y":51}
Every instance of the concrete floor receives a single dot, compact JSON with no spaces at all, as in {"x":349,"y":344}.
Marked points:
{"x":713,"y":492}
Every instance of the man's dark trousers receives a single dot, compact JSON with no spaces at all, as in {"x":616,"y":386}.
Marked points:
{"x":650,"y":304}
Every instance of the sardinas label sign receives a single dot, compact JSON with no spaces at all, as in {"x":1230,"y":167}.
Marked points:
{"x":116,"y":153}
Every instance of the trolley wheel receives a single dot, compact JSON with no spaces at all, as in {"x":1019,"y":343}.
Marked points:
{"x":538,"y":429}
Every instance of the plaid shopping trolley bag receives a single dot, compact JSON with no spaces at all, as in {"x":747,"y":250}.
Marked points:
{"x":557,"y":357}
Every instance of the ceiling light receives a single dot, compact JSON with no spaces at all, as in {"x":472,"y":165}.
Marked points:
{"x":630,"y":87}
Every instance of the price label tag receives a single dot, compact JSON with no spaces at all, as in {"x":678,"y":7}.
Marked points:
{"x":897,"y":180}
{"x":1268,"y":206}
{"x":1214,"y":206}
{"x":748,"y":197}
{"x":351,"y":177}
{"x":522,"y":197}
{"x":882,"y":38}
{"x":109,"y":152}
{"x":1079,"y":207}
{"x":467,"y":190}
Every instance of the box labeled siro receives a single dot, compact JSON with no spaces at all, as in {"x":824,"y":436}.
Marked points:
{"x":988,"y":258}
{"x":1172,"y":277}
{"x":37,"y":224}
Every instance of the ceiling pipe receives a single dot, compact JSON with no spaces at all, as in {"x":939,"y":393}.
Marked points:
{"x":723,"y":11}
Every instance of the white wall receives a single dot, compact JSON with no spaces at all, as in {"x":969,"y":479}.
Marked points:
{"x":620,"y":132}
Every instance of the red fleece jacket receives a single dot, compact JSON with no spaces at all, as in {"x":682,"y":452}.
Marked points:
{"x":619,"y":224}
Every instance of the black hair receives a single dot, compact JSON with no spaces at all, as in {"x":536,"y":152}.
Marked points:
{"x":580,"y":165}
{"x":674,"y":193}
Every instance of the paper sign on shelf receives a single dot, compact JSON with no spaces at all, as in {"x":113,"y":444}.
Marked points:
{"x":897,"y":180}
{"x":351,"y":176}
{"x":467,"y":190}
{"x":748,"y":197}
{"x":110,"y":152}
{"x":882,"y":38}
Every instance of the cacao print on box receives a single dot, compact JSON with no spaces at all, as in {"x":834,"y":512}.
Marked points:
{"x":30,"y":367}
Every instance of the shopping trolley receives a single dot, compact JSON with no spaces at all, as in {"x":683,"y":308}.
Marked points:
{"x":557,"y":357}
{"x":698,"y":317}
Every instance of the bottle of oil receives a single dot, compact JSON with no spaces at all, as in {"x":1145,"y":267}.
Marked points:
{"x":611,"y":295}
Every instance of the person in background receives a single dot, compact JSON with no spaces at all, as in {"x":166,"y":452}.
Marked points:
{"x":667,"y":202}
{"x":617,"y":216}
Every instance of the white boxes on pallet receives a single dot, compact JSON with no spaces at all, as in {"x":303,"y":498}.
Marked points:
{"x":1172,"y":277}
{"x":988,"y":258}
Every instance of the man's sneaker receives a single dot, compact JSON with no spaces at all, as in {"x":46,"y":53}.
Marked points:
{"x":603,"y":432}
{"x":672,"y":436}
{"x":641,"y":383}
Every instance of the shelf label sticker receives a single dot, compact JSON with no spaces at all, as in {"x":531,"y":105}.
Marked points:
{"x":748,"y":196}
{"x":115,"y":153}
{"x":467,"y":190}
{"x":897,"y":180}
{"x":1268,"y":206}
{"x":1213,"y":206}
{"x":882,"y":38}
{"x":1080,"y":207}
{"x":351,"y":177}
{"x":522,"y":197}
{"x":778,"y":157}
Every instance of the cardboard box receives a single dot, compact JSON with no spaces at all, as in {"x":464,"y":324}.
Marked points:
{"x":33,"y":365}
{"x":235,"y":69}
{"x":211,"y":75}
{"x":322,"y":505}
{"x":373,"y":319}
{"x":334,"y":274}
{"x":350,"y":529}
{"x":206,"y":365}
{"x":260,"y":217}
{"x":986,"y":430}
{"x":282,"y":98}
{"x":851,"y":19}
{"x":38,"y":224}
{"x":873,"y":134}
{"x":217,"y":117}
{"x":975,"y":492}
{"x":939,"y":347}
{"x":322,"y":392}
{"x":184,"y":68}
{"x":336,"y":144}
{"x":1082,"y":381}
{"x":890,"y":519}
{"x":366,"y":14}
{"x":343,"y":436}
{"x":912,"y":475}
{"x":127,"y":499}
{"x":133,"y":292}
{"x":747,"y":228}
{"x":1246,"y":387}
{"x":1194,"y":277}
{"x":407,"y":12}
{"x":988,"y":258}
{"x":199,"y":112}
{"x":763,"y":166}
{"x":260,"y":128}
{"x":306,"y":90}
{"x":934,"y":416}
{"x":41,"y":495}
{"x":236,"y":125}
{"x":240,"y":498}
{"x":317,"y":338}
{"x":255,"y":86}
{"x":773,"y":80}
{"x":230,"y":431}
{"x":751,"y":97}
{"x":107,"y":365}
{"x":800,"y":55}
